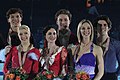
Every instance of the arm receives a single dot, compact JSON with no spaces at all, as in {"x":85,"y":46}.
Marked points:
{"x":8,"y":59}
{"x":64,"y":54}
{"x":35,"y":65}
{"x":118,"y":57}
{"x":118,"y":69}
{"x":7,"y":49}
{"x":99,"y":57}
{"x":34,"y":70}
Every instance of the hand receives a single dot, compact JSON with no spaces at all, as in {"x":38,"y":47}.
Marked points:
{"x":22,"y":71}
{"x":7,"y":49}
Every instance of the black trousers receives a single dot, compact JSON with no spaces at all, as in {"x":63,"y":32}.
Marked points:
{"x":109,"y":76}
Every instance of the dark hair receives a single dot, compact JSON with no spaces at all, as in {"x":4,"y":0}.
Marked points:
{"x":14,"y":10}
{"x":48,"y":27}
{"x":15,"y":41}
{"x":103,"y":17}
{"x":63,"y":11}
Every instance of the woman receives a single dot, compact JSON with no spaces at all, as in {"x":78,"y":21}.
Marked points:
{"x":53,"y":57}
{"x":24,"y":56}
{"x":86,"y":53}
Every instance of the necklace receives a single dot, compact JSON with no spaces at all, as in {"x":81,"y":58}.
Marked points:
{"x":84,"y":45}
{"x":80,"y":50}
{"x":22,"y":59}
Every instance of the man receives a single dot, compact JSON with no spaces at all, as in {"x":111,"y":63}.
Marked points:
{"x":14,"y":18}
{"x":65,"y":36}
{"x":110,"y":46}
{"x":63,"y":20}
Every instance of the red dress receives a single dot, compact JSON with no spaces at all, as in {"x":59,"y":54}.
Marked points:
{"x":31,"y":65}
{"x":56,"y":61}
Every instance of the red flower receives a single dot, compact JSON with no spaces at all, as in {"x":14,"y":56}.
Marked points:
{"x":44,"y":75}
{"x":78,"y":76}
{"x":49,"y":76}
{"x":85,"y":76}
{"x":17,"y":78}
{"x":9,"y":76}
{"x":82,"y":76}
{"x":16,"y":74}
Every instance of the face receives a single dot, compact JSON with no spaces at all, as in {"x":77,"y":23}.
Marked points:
{"x":15,"y":21}
{"x":51,"y":35}
{"x":85,"y":30}
{"x":102,"y":27}
{"x":24,"y":35}
{"x":63,"y":21}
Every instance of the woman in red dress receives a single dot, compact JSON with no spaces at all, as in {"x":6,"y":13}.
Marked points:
{"x":24,"y":56}
{"x":54,"y":56}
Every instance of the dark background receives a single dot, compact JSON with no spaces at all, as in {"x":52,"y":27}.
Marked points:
{"x":39,"y":13}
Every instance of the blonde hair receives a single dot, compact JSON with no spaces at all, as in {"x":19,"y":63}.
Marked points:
{"x":24,"y":27}
{"x":79,"y":27}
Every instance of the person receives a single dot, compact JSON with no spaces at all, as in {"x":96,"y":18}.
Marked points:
{"x":86,"y":53}
{"x":110,"y":46}
{"x":63,"y":20}
{"x":23,"y":54}
{"x":65,"y":36}
{"x":14,"y":18}
{"x":53,"y":57}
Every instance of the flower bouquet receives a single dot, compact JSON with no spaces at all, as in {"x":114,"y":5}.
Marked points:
{"x":47,"y":75}
{"x":82,"y":76}
{"x":44,"y":75}
{"x":16,"y":74}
